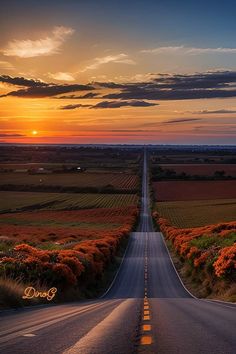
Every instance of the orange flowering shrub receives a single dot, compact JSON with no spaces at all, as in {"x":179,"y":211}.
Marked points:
{"x":211,"y":244}
{"x":226,"y":262}
{"x":88,"y":251}
{"x":66,"y":226}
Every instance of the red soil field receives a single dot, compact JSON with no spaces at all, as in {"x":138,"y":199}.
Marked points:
{"x":202,"y":169}
{"x":194,"y":190}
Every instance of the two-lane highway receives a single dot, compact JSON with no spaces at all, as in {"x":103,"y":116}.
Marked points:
{"x":146,"y":310}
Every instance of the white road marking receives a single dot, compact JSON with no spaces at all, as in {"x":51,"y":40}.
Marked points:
{"x":94,"y":339}
{"x":29,"y":335}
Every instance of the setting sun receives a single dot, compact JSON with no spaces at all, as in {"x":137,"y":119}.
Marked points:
{"x":34,"y":132}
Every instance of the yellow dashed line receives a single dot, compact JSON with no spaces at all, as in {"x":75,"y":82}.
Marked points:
{"x":146,"y":340}
{"x":146,"y":307}
{"x":146,"y":312}
{"x":146,"y":317}
{"x":146,"y":327}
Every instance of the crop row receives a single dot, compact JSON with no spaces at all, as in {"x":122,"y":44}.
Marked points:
{"x":78,"y":180}
{"x":197,"y":213}
{"x":13,"y":201}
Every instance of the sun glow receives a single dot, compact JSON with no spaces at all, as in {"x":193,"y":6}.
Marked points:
{"x":34,"y":132}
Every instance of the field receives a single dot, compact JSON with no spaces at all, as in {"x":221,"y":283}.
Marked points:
{"x":64,"y":227}
{"x":61,"y":227}
{"x":120,"y":181}
{"x":184,"y":214}
{"x":194,"y":190}
{"x":202,"y":169}
{"x":16,"y":201}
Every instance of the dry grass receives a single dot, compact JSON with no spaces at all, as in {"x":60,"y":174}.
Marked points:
{"x":11,"y":292}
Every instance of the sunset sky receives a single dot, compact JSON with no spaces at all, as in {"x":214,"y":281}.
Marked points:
{"x":89,"y":71}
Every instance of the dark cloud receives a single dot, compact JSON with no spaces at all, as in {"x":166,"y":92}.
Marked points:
{"x":39,"y":89}
{"x":110,"y":104}
{"x":74,"y":97}
{"x":220,"y":84}
{"x":173,"y":121}
{"x":47,"y":91}
{"x":5,"y":135}
{"x":75,"y":106}
{"x":179,"y":87}
{"x":110,"y":85}
{"x":21,"y":81}
{"x":118,"y":104}
{"x":157,"y":94}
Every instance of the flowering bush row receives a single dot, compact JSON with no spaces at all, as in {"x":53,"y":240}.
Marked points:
{"x":65,"y":226}
{"x":212,"y":247}
{"x":79,"y":265}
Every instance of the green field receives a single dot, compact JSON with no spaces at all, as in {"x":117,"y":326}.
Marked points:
{"x":16,"y":201}
{"x":196,"y":213}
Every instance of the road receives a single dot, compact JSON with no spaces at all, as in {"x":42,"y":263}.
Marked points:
{"x":146,"y":310}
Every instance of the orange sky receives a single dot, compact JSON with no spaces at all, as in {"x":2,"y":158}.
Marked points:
{"x":142,"y":86}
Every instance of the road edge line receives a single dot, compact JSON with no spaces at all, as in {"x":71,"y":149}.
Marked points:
{"x":118,"y":270}
{"x":196,"y":298}
{"x":181,"y":281}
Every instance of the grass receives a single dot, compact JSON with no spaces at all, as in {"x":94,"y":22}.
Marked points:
{"x":11,"y":292}
{"x":196,"y":213}
{"x":204,"y":242}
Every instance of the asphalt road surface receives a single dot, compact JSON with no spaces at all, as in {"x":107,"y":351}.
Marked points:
{"x":146,"y":310}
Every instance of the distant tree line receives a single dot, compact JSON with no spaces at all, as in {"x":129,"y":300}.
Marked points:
{"x":159,"y":173}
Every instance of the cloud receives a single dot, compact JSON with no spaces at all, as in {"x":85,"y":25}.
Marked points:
{"x":21,"y":81}
{"x":118,"y":104}
{"x":178,"y":87}
{"x":172,"y":121}
{"x":181,"y":120}
{"x":119,"y":58}
{"x":49,"y":45}
{"x":219,"y":84}
{"x":61,"y":76}
{"x":47,"y":91}
{"x":88,"y":95}
{"x":9,"y":135}
{"x":75,"y":106}
{"x":189,"y":50}
{"x":111,"y":104}
{"x":39,"y":89}
{"x":218,"y":111}
{"x":163,"y":50}
{"x":5,"y":65}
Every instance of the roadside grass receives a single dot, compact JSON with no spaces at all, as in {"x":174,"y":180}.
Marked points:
{"x":204,"y":242}
{"x":11,"y":291}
